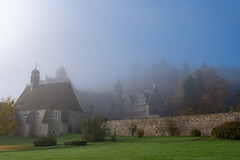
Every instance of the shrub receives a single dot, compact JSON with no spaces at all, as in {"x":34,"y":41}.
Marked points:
{"x":140,"y":133}
{"x":78,"y":128}
{"x":79,"y":143}
{"x":238,"y":109}
{"x":227,"y":130}
{"x":171,"y":127}
{"x":45,"y":141}
{"x":113,"y":137}
{"x":195,"y":133}
{"x":133,"y":128}
{"x":93,"y":130}
{"x":76,"y":143}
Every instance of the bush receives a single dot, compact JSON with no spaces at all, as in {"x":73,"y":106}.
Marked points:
{"x":133,"y":129}
{"x":78,"y":128}
{"x":93,"y":130}
{"x":76,"y":143}
{"x":227,"y":130}
{"x":195,"y":133}
{"x":140,"y":133}
{"x":238,"y":109}
{"x":113,"y":137}
{"x":45,"y":141}
{"x":171,"y":127}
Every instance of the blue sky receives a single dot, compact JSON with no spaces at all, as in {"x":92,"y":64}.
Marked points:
{"x":98,"y":41}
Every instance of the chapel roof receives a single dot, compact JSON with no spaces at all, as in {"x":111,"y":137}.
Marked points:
{"x":49,"y":96}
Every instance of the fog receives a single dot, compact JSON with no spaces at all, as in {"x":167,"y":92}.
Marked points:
{"x":100,"y":42}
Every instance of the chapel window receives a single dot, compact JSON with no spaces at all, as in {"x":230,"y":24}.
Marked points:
{"x":55,"y":114}
{"x":37,"y":115}
{"x":25,"y":116}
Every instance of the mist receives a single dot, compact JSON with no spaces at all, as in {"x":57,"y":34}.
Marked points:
{"x":172,"y":84}
{"x":100,"y":42}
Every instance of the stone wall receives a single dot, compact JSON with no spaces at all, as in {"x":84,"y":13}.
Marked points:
{"x":157,"y":126}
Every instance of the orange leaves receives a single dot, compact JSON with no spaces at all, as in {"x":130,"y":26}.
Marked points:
{"x":11,"y":147}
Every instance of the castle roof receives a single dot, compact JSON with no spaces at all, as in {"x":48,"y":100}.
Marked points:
{"x":142,"y":97}
{"x":49,"y":96}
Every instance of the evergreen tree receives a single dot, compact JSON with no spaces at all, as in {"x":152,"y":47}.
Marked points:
{"x":186,"y":68}
{"x":188,"y":100}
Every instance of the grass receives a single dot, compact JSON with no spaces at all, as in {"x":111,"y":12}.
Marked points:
{"x":16,"y":141}
{"x":132,"y":148}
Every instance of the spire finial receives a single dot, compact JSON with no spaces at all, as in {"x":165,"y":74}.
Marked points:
{"x":36,"y":64}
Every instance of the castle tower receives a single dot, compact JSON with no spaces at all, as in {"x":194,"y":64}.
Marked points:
{"x":155,"y":102}
{"x":34,"y":79}
{"x":118,"y":101}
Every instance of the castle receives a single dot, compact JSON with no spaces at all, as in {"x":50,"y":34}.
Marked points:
{"x":55,"y":107}
{"x":116,"y":105}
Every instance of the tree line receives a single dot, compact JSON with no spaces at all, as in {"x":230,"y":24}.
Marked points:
{"x":186,"y":91}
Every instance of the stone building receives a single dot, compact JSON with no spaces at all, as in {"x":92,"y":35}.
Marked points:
{"x":116,"y":105}
{"x":47,"y":109}
{"x":144,"y":104}
{"x":96,"y":104}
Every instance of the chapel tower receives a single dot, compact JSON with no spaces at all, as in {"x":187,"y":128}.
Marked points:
{"x":35,"y":78}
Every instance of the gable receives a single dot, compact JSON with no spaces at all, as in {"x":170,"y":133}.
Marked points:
{"x":155,"y":98}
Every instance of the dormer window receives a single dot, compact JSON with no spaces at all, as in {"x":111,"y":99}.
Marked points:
{"x":55,"y":114}
{"x":37,"y":115}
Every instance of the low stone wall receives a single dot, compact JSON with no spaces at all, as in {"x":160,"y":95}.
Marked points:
{"x":157,"y":126}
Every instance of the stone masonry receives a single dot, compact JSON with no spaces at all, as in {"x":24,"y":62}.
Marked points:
{"x":157,"y":126}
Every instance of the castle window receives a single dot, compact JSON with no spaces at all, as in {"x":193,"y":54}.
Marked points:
{"x":37,"y":115}
{"x":55,"y":114}
{"x":73,"y":115}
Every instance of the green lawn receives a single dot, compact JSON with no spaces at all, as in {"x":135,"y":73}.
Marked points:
{"x":132,"y":148}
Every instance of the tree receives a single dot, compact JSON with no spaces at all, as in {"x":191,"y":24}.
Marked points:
{"x":198,"y":92}
{"x":189,"y":102}
{"x":204,"y":92}
{"x":185,"y":68}
{"x":216,"y":91}
{"x":8,"y":122}
{"x":94,"y":130}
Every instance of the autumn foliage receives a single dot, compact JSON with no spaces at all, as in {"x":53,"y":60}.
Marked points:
{"x":201,"y":92}
{"x":8,"y":122}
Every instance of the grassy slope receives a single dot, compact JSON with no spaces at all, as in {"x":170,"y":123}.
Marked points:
{"x":159,"y":148}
